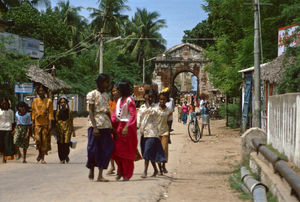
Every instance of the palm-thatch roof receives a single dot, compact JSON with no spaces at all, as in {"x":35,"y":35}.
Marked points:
{"x":273,"y":71}
{"x":38,"y":75}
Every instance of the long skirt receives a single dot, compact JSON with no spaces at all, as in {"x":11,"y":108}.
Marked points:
{"x":184,"y":117}
{"x":7,"y":146}
{"x":63,"y":151}
{"x":99,"y":148}
{"x":19,"y":137}
{"x":152,"y":149}
{"x":165,"y":145}
{"x":43,"y":139}
{"x":125,"y":167}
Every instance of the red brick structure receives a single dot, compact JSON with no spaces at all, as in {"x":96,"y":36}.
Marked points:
{"x":184,"y":57}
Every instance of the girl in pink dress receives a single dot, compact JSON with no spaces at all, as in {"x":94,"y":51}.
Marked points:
{"x":124,"y":123}
{"x":184,"y":112}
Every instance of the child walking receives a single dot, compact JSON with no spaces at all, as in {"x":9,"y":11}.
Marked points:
{"x":164,"y":127}
{"x":100,"y":143}
{"x":150,"y":143}
{"x":124,"y":122}
{"x":64,"y":128}
{"x":184,"y":112}
{"x":23,"y":128}
{"x":7,"y":146}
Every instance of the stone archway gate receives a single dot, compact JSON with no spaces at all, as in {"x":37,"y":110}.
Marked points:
{"x":184,"y":57}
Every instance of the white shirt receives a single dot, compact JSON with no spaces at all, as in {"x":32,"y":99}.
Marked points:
{"x":170,"y":104}
{"x":147,"y":121}
{"x":6,"y":119}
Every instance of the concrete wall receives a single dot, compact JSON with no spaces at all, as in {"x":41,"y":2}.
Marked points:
{"x":284,"y":125}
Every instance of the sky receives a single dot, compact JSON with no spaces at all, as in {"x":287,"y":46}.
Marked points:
{"x":180,"y":15}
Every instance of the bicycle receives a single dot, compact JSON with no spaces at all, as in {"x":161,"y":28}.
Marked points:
{"x":193,"y":128}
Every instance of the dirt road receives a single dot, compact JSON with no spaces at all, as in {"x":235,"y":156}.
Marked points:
{"x":197,"y":172}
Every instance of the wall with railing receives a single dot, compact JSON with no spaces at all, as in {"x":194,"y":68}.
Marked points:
{"x":284,"y":125}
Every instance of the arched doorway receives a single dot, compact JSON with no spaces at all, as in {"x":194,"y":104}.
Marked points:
{"x":184,"y":57}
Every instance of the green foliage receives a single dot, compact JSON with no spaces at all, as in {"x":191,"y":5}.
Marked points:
{"x":236,"y":184}
{"x":281,"y":155}
{"x":144,"y":25}
{"x":291,"y":80}
{"x":71,"y":43}
{"x":230,"y":23}
{"x":13,"y":68}
{"x":233,"y":114}
{"x":201,"y":31}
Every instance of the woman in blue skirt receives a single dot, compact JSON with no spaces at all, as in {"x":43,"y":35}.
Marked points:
{"x":100,"y":142}
{"x":150,"y":143}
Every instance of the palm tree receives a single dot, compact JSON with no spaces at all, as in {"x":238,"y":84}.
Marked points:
{"x":108,"y":16}
{"x":6,"y":4}
{"x":75,"y":22}
{"x":143,"y":29}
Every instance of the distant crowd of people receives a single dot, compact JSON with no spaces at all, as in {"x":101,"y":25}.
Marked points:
{"x":185,"y":112}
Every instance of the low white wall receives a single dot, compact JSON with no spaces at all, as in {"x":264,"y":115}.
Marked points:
{"x":284,"y":125}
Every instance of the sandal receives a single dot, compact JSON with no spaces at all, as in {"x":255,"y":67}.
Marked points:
{"x":102,"y":180}
{"x":111,"y":171}
{"x":118,"y":177}
{"x":43,"y":162}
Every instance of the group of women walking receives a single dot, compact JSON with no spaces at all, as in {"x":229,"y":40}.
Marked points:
{"x":112,"y":135}
{"x":16,"y":128}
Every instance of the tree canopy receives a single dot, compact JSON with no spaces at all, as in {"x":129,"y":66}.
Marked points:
{"x":71,"y":42}
{"x":230,"y":24}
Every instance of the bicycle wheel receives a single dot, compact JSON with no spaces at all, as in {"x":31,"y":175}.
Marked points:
{"x":194,"y":131}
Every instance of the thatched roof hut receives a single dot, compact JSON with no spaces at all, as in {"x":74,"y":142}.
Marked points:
{"x":273,"y":71}
{"x":38,"y":75}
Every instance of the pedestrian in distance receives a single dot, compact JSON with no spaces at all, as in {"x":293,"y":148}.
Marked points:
{"x":124,"y":122}
{"x":184,"y":112}
{"x":115,"y":95}
{"x":151,"y":147}
{"x":164,"y":127}
{"x":191,"y":110}
{"x":7,"y":147}
{"x":42,"y":116}
{"x":23,"y":129}
{"x":100,"y":143}
{"x":65,"y":129}
{"x":205,"y":117}
{"x":179,"y":110}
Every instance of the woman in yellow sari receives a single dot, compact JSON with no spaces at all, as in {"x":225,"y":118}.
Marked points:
{"x":42,"y":114}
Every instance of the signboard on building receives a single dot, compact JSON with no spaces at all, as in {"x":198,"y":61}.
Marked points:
{"x":24,"y":88}
{"x":288,"y":35}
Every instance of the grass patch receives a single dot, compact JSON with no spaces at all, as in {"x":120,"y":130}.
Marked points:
{"x":281,"y":155}
{"x":237,"y":185}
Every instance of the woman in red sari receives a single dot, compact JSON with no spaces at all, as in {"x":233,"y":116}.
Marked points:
{"x":124,"y":123}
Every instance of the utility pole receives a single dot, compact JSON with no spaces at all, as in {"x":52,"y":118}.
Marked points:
{"x":257,"y":81}
{"x":101,"y":52}
{"x":257,"y":90}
